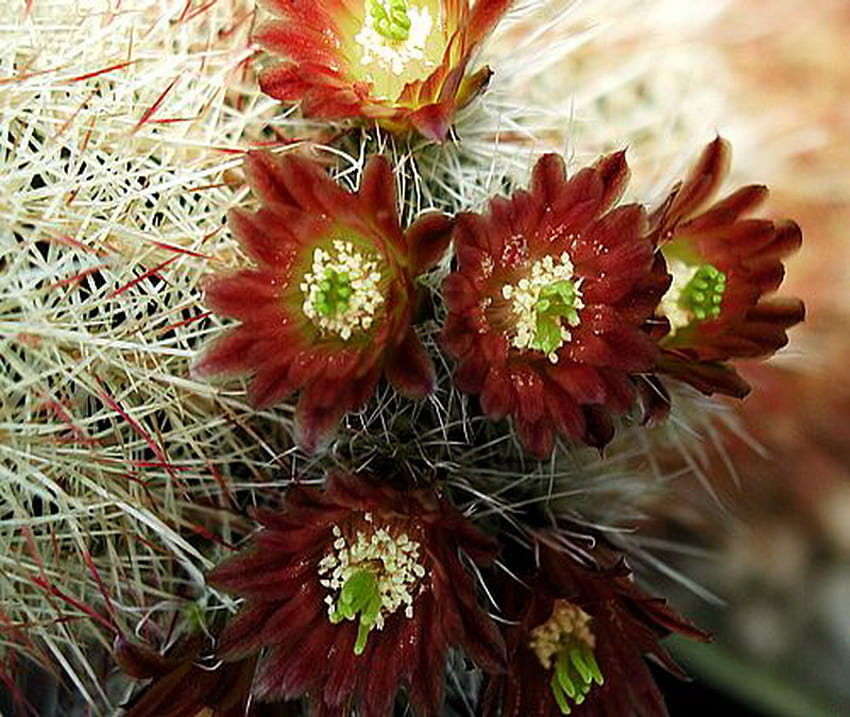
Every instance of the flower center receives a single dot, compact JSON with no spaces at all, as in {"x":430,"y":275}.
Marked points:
{"x":390,"y":18}
{"x":342,"y":290}
{"x":397,"y":45}
{"x":543,"y":303}
{"x":373,"y":574}
{"x":695,"y":294}
{"x":565,"y":645}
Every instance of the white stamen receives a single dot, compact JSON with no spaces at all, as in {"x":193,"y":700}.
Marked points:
{"x":364,"y":279}
{"x":526,"y":293}
{"x":677,"y":315}
{"x":395,"y":55}
{"x":568,"y":623}
{"x":395,"y":562}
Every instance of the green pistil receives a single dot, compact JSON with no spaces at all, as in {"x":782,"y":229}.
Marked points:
{"x":334,"y":293}
{"x":359,"y":594}
{"x":703,"y":294}
{"x":557,"y":301}
{"x":391,"y":19}
{"x":575,"y":672}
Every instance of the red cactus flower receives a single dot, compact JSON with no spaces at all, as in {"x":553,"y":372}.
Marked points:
{"x":548,"y":301}
{"x":577,"y":635}
{"x":400,"y":63}
{"x":181,"y":685}
{"x":367,"y":582}
{"x":327,"y":310}
{"x":722,"y":264}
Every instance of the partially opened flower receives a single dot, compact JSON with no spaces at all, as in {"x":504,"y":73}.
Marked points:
{"x":327,"y":310}
{"x":577,"y":634}
{"x":401,"y":63}
{"x":354,"y":591}
{"x":722,"y":264}
{"x":185,"y":682}
{"x":548,"y":302}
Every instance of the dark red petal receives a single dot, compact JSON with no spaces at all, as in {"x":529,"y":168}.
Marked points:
{"x":614,"y":173}
{"x":485,"y":15}
{"x":241,"y":295}
{"x":307,"y":12}
{"x":473,"y":230}
{"x":787,"y":240}
{"x":565,"y":413}
{"x":537,"y":438}
{"x":290,"y":83}
{"x":619,"y":390}
{"x":428,"y":239}
{"x":269,"y":239}
{"x":270,"y":386}
{"x":578,"y":204}
{"x":706,"y":377}
{"x":426,"y":688}
{"x":140,"y":661}
{"x":702,"y":182}
{"x":244,"y":634}
{"x":299,"y":42}
{"x":433,"y":121}
{"x":381,"y":681}
{"x":316,"y":425}
{"x":456,"y":337}
{"x":409,"y":368}
{"x":459,"y":293}
{"x":377,"y":196}
{"x":471,"y":372}
{"x":600,"y":426}
{"x":343,"y":671}
{"x":581,"y":382}
{"x":528,"y":389}
{"x":729,"y":209}
{"x":781,"y":311}
{"x":292,"y":181}
{"x":497,"y":395}
{"x":548,"y":179}
{"x":228,"y":354}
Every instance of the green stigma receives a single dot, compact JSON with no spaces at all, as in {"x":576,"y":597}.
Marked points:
{"x":359,"y":594}
{"x":334,"y":293}
{"x":703,"y":294}
{"x":391,"y":19}
{"x":575,"y":672}
{"x":556,"y":301}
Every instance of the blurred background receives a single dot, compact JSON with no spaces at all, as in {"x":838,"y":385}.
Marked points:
{"x":779,"y":538}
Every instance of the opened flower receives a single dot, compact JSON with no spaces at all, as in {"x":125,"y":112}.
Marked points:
{"x":548,"y":302}
{"x":577,"y":635}
{"x":354,"y":591}
{"x":400,"y":63}
{"x":722,"y":264}
{"x":327,"y":310}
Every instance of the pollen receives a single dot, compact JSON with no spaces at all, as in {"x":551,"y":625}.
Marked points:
{"x":565,"y":645}
{"x":545,"y":304}
{"x":695,"y":294}
{"x":394,"y":35}
{"x":374,"y":572}
{"x":342,"y":290}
